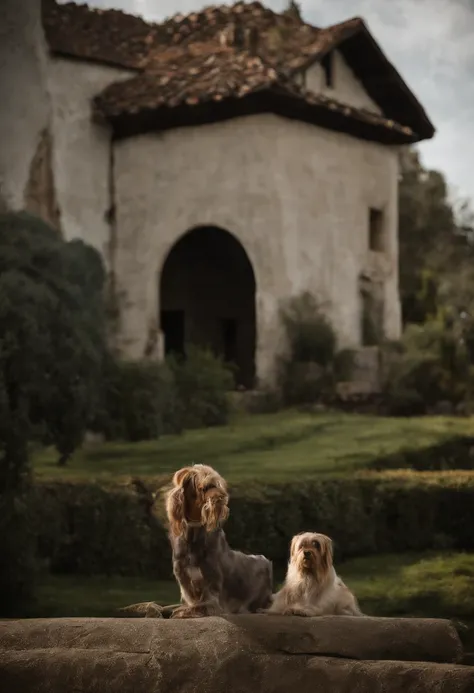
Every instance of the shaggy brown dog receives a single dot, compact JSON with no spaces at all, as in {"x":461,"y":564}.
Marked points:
{"x":213,"y":579}
{"x":312,"y":587}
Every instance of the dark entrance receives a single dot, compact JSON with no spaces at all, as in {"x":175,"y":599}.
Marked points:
{"x":208,"y":299}
{"x":172,"y":324}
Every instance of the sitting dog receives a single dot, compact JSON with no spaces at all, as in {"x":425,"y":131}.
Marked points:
{"x":312,"y":587}
{"x":212,"y":578}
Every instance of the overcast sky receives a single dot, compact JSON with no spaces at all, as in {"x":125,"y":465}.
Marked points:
{"x":431,"y":42}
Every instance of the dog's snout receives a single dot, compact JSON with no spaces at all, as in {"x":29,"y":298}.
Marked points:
{"x":307,"y":554}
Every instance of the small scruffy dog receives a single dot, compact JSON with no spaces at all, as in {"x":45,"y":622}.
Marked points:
{"x":312,"y":587}
{"x":212,"y":577}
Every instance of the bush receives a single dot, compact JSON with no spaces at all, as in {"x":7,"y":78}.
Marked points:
{"x":90,"y":529}
{"x":52,"y":345}
{"x":310,"y":335}
{"x":18,"y":554}
{"x":304,"y":382}
{"x":312,"y":366}
{"x":84,"y":528}
{"x":143,"y":400}
{"x":139,"y":401}
{"x":429,"y":365}
{"x":202,"y":383}
{"x":344,"y":362}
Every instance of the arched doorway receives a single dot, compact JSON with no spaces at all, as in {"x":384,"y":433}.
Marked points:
{"x":207,"y":294}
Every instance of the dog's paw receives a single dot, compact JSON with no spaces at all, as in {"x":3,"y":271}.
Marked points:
{"x":185,"y":612}
{"x":194,"y":612}
{"x":296,"y":612}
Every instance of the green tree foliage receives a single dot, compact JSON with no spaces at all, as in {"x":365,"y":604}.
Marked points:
{"x":436,"y":243}
{"x":426,"y":223}
{"x":436,"y":251}
{"x":430,"y":365}
{"x":51,"y":353}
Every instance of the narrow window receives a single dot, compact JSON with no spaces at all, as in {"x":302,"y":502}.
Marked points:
{"x":328,"y":69}
{"x":376,"y":230}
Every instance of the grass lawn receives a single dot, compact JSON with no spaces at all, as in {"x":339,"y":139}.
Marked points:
{"x":274,"y":446}
{"x":431,"y":585}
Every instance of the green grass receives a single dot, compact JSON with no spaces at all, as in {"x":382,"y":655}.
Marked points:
{"x":273,"y":446}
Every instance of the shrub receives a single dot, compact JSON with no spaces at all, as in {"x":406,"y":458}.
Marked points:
{"x":304,"y":382}
{"x":430,"y":365}
{"x":89,"y":529}
{"x":18,"y":555}
{"x":344,"y":361}
{"x":139,"y":401}
{"x":312,"y":366}
{"x":310,"y":335}
{"x":202,"y":383}
{"x":52,"y":344}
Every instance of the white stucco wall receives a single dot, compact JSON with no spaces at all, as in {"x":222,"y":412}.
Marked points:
{"x":295,"y":195}
{"x":346,"y":88}
{"x":24,"y":110}
{"x":81,"y":153}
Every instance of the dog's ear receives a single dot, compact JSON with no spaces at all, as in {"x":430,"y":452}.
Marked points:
{"x":181,"y":476}
{"x":293,"y":546}
{"x":176,"y":500}
{"x":175,"y":510}
{"x":326,"y":553}
{"x":331,"y":548}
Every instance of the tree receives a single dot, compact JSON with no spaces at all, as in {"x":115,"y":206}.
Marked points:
{"x":52,"y":346}
{"x":436,"y":252}
{"x":426,"y":225}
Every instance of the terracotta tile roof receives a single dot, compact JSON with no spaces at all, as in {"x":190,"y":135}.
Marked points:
{"x":226,"y":52}
{"x":107,"y":36}
{"x":113,"y":37}
{"x":156,"y":99}
{"x":208,"y":75}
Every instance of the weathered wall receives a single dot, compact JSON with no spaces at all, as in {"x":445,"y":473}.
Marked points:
{"x":82,"y":149}
{"x":295,"y":195}
{"x":347,"y":88}
{"x":25,"y":108}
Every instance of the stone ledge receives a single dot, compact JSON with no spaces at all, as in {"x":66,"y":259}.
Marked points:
{"x":232,"y":654}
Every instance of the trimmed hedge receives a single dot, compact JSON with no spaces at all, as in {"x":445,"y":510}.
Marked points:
{"x":86,"y":528}
{"x":91,"y":529}
{"x":453,"y":454}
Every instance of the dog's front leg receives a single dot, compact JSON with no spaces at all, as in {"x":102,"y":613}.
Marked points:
{"x":202,"y":596}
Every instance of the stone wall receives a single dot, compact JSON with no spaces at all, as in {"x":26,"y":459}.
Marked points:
{"x":25,"y":114}
{"x":82,"y":154}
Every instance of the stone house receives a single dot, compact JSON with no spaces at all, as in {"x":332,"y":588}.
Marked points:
{"x":221,"y":162}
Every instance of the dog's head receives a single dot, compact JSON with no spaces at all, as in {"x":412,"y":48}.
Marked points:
{"x":199,"y":496}
{"x":311,"y":554}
